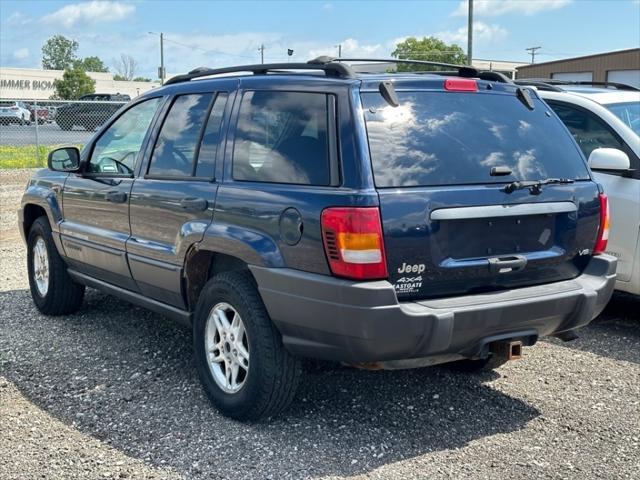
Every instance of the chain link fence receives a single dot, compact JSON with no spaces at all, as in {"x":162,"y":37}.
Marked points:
{"x":29,"y":129}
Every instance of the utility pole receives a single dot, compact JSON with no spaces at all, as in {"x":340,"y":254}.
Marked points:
{"x":161,"y":72}
{"x":532,"y":51}
{"x":161,"y":59}
{"x":339,"y":50}
{"x":470,"y":34}
{"x":261,"y":50}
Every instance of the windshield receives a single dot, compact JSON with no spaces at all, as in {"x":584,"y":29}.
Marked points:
{"x":442,"y":138}
{"x":629,"y":113}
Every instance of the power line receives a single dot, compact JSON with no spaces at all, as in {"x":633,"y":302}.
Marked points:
{"x":217,"y":52}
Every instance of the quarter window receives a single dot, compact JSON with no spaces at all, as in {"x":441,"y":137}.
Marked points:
{"x":282,"y":137}
{"x":116,"y":151}
{"x":175,"y":149}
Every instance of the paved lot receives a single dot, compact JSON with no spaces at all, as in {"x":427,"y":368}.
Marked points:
{"x":48,"y":134}
{"x":110,"y":392}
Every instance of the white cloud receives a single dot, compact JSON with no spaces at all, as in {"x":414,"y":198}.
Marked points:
{"x":17,"y":19}
{"x":350,"y":48}
{"x":89,"y":12}
{"x":493,"y":8}
{"x":21,"y":53}
{"x":482,"y":33}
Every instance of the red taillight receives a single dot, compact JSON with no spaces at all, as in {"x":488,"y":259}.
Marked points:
{"x":461,"y":85}
{"x":603,"y":232}
{"x":353,"y":242}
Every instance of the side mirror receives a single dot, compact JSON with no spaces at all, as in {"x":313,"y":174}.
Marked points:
{"x":608,"y":159}
{"x":66,"y":159}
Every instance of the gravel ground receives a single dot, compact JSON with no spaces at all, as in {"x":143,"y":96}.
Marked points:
{"x":110,"y":392}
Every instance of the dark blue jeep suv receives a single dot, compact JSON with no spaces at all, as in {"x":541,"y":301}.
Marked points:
{"x":305,"y":210}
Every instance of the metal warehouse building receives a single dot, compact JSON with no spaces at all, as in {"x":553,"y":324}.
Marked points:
{"x":621,"y":66}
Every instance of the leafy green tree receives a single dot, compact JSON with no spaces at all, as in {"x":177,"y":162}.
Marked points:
{"x":119,"y":78}
{"x":74,"y":84}
{"x":429,"y":49}
{"x":142,"y":79}
{"x":91,"y":64}
{"x":59,"y":53}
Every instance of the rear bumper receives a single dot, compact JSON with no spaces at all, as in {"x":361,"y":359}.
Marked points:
{"x":325,"y":317}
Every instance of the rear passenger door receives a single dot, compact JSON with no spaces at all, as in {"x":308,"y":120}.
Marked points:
{"x":283,"y":170}
{"x":172,"y":201}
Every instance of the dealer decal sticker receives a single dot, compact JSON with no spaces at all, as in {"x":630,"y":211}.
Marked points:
{"x":409,"y":283}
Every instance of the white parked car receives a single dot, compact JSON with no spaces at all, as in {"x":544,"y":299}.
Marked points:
{"x":14,"y":112}
{"x":605,"y":121}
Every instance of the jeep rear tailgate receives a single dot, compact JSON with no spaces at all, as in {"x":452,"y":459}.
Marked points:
{"x":450,"y":226}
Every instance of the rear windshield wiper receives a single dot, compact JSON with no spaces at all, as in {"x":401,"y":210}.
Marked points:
{"x":534,"y":186}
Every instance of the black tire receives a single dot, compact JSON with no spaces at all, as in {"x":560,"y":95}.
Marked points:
{"x":477,"y":366}
{"x":274,"y":374}
{"x":63,"y":295}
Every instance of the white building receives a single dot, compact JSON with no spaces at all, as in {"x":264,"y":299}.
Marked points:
{"x":35,"y":84}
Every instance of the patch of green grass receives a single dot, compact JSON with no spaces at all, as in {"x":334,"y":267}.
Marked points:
{"x":24,"y":156}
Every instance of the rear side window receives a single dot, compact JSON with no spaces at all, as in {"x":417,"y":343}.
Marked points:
{"x":282,"y":137}
{"x":442,"y":138}
{"x":211,"y":138}
{"x":179,"y":137}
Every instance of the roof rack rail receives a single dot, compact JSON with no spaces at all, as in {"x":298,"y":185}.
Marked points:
{"x":331,"y":69}
{"x":555,"y":81}
{"x":463,"y":70}
{"x":616,"y":85}
{"x":539,"y":84}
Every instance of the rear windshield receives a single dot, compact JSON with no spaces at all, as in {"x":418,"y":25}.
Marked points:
{"x":443,"y":138}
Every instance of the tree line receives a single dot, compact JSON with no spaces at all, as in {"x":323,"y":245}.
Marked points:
{"x":60,"y":53}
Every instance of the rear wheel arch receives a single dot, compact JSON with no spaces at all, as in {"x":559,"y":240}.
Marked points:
{"x":202,"y":265}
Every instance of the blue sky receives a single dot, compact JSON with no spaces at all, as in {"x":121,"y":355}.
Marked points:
{"x":225,"y":33}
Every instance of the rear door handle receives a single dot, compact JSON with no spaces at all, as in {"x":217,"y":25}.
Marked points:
{"x":193,"y":204}
{"x":512,"y":263}
{"x":116,"y":197}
